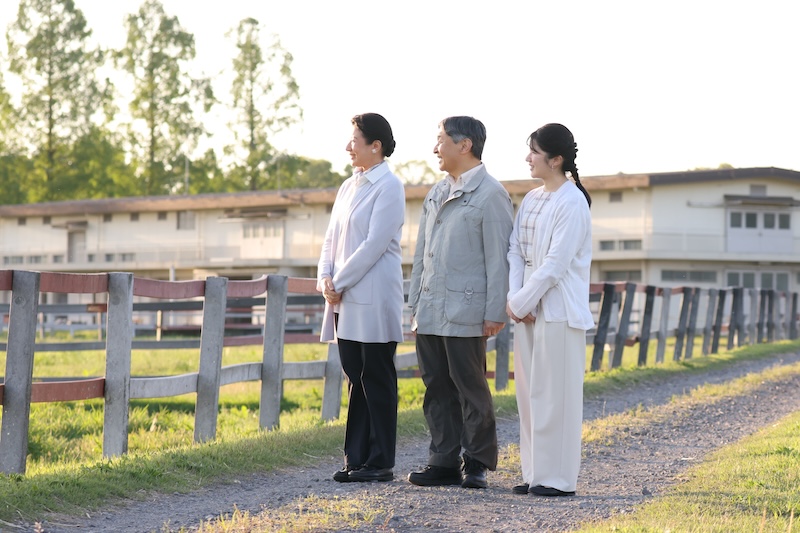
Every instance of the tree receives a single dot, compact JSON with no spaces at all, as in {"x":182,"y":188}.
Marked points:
{"x":318,"y":174}
{"x":416,"y":172}
{"x":265,"y":100}
{"x":49,"y":49}
{"x":156,"y":55}
{"x":98,"y":167}
{"x":203,"y":174}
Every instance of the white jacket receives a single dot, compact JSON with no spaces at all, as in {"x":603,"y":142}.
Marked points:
{"x":366,"y":231}
{"x":560,"y":259}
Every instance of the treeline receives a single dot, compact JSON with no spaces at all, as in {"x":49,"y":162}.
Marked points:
{"x":73,"y":134}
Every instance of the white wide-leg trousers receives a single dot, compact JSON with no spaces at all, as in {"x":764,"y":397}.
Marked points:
{"x":549,"y":363}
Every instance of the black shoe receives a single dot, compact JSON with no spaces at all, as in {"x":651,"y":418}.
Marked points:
{"x":520,"y":489}
{"x":371,"y":473}
{"x":343,"y":475}
{"x":474,"y":474}
{"x":434,"y":476}
{"x":540,"y":490}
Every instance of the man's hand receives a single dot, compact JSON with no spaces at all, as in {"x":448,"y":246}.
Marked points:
{"x":491,"y":328}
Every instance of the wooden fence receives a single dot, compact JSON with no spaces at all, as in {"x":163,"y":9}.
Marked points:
{"x":772,"y":315}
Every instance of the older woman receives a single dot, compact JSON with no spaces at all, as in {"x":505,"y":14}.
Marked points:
{"x":361,"y":278}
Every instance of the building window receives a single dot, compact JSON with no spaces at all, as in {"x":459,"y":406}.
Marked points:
{"x":621,"y":275}
{"x":21,"y":221}
{"x":630,"y":244}
{"x":90,"y":258}
{"x":736,"y":219}
{"x":58,"y":258}
{"x":162,"y":215}
{"x":607,"y":246}
{"x":34,"y":259}
{"x":45,"y":220}
{"x":758,"y":190}
{"x":783,"y":221}
{"x":109,"y":258}
{"x":107,"y":217}
{"x":12,"y":260}
{"x":127,"y":258}
{"x":769,"y":220}
{"x":697,"y":276}
{"x":760,"y":280}
{"x":134,"y":217}
{"x":254,"y":230}
{"x":185,"y":220}
{"x":615,"y":196}
{"x":751,"y":220}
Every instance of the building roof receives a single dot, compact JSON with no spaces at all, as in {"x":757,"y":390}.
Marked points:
{"x":241,"y":201}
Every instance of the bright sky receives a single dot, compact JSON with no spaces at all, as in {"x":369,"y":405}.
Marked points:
{"x":645,"y":86}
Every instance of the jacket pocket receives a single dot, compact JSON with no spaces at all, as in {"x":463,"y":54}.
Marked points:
{"x":465,"y":301}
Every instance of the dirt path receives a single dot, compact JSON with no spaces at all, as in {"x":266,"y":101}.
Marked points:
{"x":613,"y":478}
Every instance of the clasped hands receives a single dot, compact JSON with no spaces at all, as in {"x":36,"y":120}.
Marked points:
{"x":329,"y":292}
{"x":527,"y":319}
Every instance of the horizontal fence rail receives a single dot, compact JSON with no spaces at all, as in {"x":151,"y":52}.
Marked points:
{"x":626,"y":314}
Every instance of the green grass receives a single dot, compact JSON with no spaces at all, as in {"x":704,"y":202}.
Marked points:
{"x":66,"y":472}
{"x":752,"y":485}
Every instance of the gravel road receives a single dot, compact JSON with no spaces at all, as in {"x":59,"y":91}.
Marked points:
{"x":614,"y":478}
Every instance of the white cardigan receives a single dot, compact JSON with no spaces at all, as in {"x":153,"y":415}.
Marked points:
{"x":561,"y":257}
{"x":367,"y":233}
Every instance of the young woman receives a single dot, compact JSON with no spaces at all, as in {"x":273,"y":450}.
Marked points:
{"x":549,"y":256}
{"x":361,"y":278}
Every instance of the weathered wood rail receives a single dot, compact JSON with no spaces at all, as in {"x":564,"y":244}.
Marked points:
{"x":772,"y":315}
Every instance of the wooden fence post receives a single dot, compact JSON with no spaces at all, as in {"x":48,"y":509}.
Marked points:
{"x":272,"y":364}
{"x":332,"y":393}
{"x":749,"y":336}
{"x":212,"y":336}
{"x":19,"y":372}
{"x":606,"y":306}
{"x":691,"y":327}
{"x":793,"y":318}
{"x":502,"y":342}
{"x":680,"y":333}
{"x":762,"y":316}
{"x":718,"y":321}
{"x":647,"y":321}
{"x":663,"y":326}
{"x":770,"y":315}
{"x":119,"y":339}
{"x":735,"y":324}
{"x":624,"y":324}
{"x":780,"y":319}
{"x":708,"y":325}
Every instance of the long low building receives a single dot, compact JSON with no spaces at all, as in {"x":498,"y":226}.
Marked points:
{"x":709,"y":228}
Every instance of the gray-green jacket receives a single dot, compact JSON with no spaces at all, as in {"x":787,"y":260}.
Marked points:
{"x":460,"y":273}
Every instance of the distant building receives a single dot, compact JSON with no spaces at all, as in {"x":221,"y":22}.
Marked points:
{"x":708,"y":228}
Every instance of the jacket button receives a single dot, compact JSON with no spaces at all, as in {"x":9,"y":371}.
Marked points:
{"x":430,"y":254}
{"x":439,"y":221}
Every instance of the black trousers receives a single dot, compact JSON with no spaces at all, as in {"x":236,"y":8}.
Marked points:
{"x":458,"y":402}
{"x":371,"y":429}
